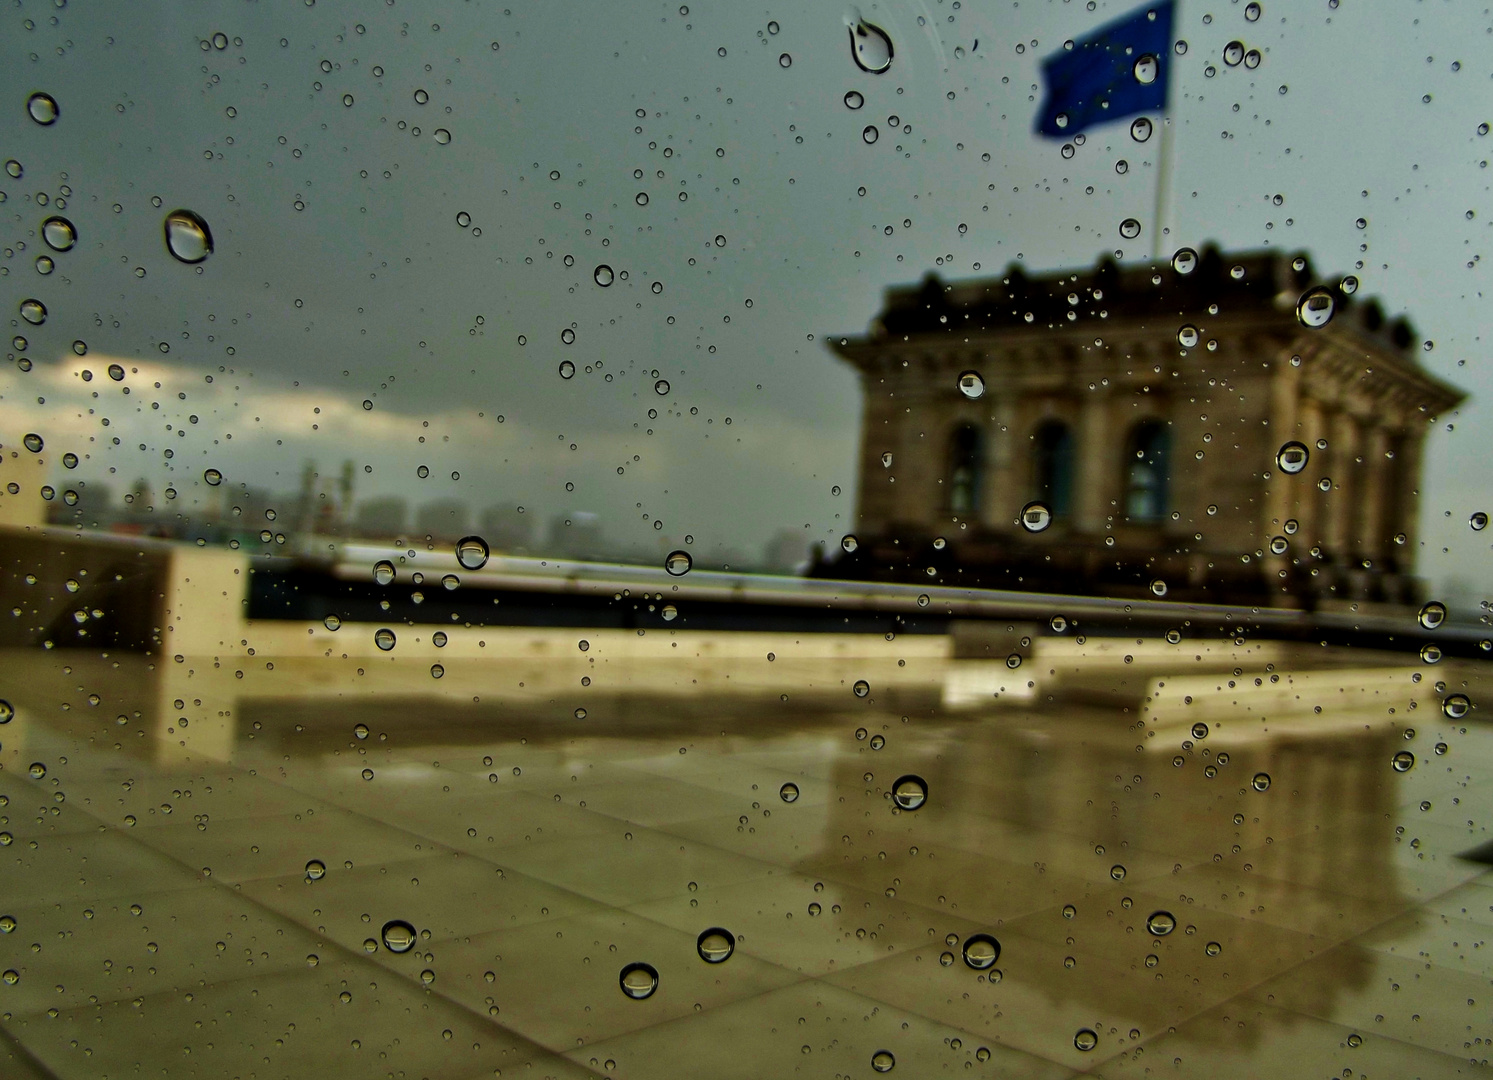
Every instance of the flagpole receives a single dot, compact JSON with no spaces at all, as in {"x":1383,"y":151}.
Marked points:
{"x":1163,"y":183}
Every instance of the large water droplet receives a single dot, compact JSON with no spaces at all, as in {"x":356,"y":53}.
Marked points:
{"x":384,"y":638}
{"x":316,"y":870}
{"x":870,"y":47}
{"x":1130,"y":228}
{"x":972,"y":385}
{"x":1085,"y":1040}
{"x":883,"y":1061}
{"x":42,"y":108}
{"x":639,"y":980}
{"x":1403,"y":761}
{"x":715,"y":945}
{"x":7,"y":711}
{"x":909,"y":792}
{"x":1292,"y":457}
{"x":1140,"y":129}
{"x":661,"y":388}
{"x":1233,"y":53}
{"x":34,"y":312}
{"x":442,"y":136}
{"x":187,"y":236}
{"x":1261,"y":781}
{"x":861,"y":688}
{"x":213,"y":477}
{"x":603,"y":275}
{"x":1432,"y":614}
{"x":471,"y":552}
{"x":37,"y":770}
{"x":981,"y":951}
{"x":1430,"y":653}
{"x":849,"y":543}
{"x":678,"y":563}
{"x":669,"y":612}
{"x":1158,"y":587}
{"x":1185,"y":261}
{"x":1478,"y":521}
{"x":398,"y":935}
{"x":1145,"y":69}
{"x":869,"y":134}
{"x":567,"y":369}
{"x":33,"y":442}
{"x":1035,"y":517}
{"x":1456,"y":706}
{"x":59,"y":233}
{"x":7,"y":924}
{"x":332,"y":621}
{"x":1315,"y":308}
{"x":1187,"y":336}
{"x":788,"y":792}
{"x":383,"y":572}
{"x":1252,"y":12}
{"x":854,"y":99}
{"x":1161,"y":923}
{"x":116,"y":372}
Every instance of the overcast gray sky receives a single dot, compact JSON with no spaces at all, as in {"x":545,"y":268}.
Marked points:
{"x":341,"y":274}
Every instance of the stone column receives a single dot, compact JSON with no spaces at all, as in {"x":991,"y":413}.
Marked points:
{"x":1374,"y":496}
{"x":1004,"y":493}
{"x":1098,"y":465}
{"x":1341,"y":499}
{"x":1307,"y":502}
{"x":1407,"y":494}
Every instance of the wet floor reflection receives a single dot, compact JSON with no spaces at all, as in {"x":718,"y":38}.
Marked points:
{"x":1185,"y":860}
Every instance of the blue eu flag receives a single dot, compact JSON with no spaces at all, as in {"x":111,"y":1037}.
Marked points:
{"x":1117,"y":71}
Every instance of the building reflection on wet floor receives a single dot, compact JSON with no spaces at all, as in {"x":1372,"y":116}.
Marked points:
{"x":544,"y":816}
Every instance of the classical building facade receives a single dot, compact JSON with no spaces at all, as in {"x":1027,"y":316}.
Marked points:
{"x":1133,"y":434}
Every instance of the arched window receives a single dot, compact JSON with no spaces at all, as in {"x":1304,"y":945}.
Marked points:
{"x":1147,"y":472}
{"x":965,"y":467}
{"x":1052,"y":466}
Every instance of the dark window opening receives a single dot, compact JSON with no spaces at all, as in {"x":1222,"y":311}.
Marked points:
{"x":1052,"y":467}
{"x":1147,"y":472}
{"x":965,"y":468}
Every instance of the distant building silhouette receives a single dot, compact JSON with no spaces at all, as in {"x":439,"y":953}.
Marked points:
{"x":576,"y":536}
{"x":444,"y":519}
{"x":382,"y":517}
{"x":507,"y":528}
{"x":1142,"y":408}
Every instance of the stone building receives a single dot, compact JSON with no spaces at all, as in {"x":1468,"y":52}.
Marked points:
{"x":1133,"y":434}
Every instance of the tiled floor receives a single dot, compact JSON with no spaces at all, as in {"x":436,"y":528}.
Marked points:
{"x":164,"y":924}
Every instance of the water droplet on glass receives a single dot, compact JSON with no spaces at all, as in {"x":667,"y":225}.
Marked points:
{"x":1130,"y":228}
{"x":981,"y":951}
{"x":213,"y":477}
{"x":639,"y":980}
{"x":603,"y":275}
{"x":1145,"y":69}
{"x":7,"y":924}
{"x":661,"y":387}
{"x":1403,"y":761}
{"x":37,"y":770}
{"x":1213,"y":948}
{"x":1185,"y":260}
{"x":788,"y":792}
{"x":383,"y":572}
{"x":33,"y":442}
{"x":384,"y":638}
{"x":1432,"y":615}
{"x":909,"y":792}
{"x":1315,"y":307}
{"x":1278,"y":545}
{"x":463,"y":218}
{"x":785,"y":60}
{"x":678,"y":563}
{"x":567,"y":369}
{"x":1430,"y":653}
{"x":1456,"y":706}
{"x":316,"y":870}
{"x":360,"y":730}
{"x":34,"y":312}
{"x":715,"y":945}
{"x":42,"y":108}
{"x":1187,"y":336}
{"x":1233,"y":53}
{"x":972,"y":385}
{"x":471,"y":552}
{"x":13,"y":169}
{"x":1292,"y":457}
{"x":870,"y":47}
{"x":1085,"y":1040}
{"x":398,"y":935}
{"x":59,"y":233}
{"x":853,"y":99}
{"x":848,"y":543}
{"x":1035,"y":517}
{"x":883,"y":1062}
{"x":861,"y":688}
{"x":7,"y":712}
{"x":116,"y":372}
{"x":1161,"y":923}
{"x":1478,"y":521}
{"x":1261,"y":781}
{"x":1252,"y":12}
{"x":1158,"y":587}
{"x":332,"y":622}
{"x":869,"y":133}
{"x":442,"y":136}
{"x":1140,"y":129}
{"x":669,"y":612}
{"x":187,"y":236}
